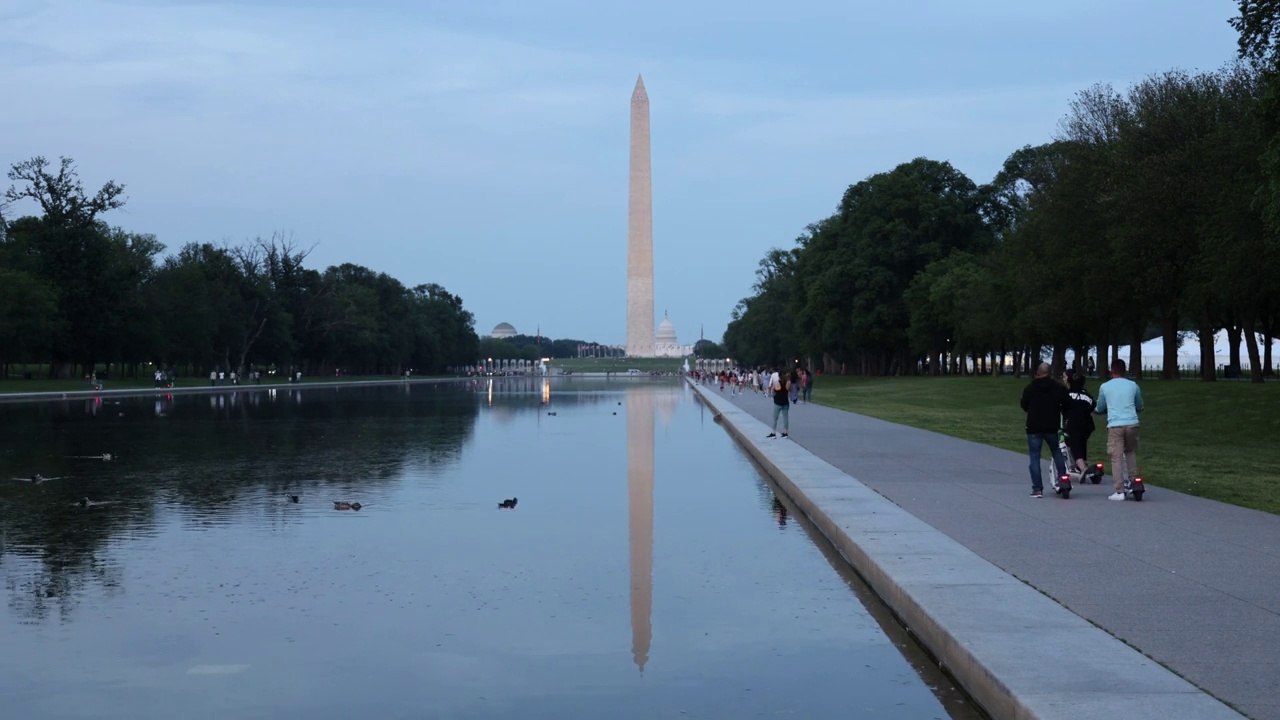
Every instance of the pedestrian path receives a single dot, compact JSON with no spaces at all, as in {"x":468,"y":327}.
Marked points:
{"x":1192,"y":583}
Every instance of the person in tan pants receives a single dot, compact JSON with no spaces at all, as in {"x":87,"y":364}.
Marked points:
{"x":1121,"y":399}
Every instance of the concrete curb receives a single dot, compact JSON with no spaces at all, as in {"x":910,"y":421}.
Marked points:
{"x":45,"y":396}
{"x":1016,"y":651}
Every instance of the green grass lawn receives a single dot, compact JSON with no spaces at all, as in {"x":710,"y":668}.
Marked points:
{"x":1216,"y":440}
{"x":617,"y":365}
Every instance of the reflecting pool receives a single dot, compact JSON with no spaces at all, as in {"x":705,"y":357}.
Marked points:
{"x":646,"y":570}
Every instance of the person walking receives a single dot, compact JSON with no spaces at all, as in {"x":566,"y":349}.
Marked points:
{"x":807,"y":391}
{"x":1044,"y":401}
{"x":1121,"y":399}
{"x":780,"y":388}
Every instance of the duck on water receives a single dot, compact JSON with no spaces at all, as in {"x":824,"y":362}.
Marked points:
{"x":36,"y":479}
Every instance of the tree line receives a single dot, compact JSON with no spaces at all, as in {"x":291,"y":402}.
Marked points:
{"x":77,"y":294}
{"x":1151,"y":213}
{"x":528,"y":347}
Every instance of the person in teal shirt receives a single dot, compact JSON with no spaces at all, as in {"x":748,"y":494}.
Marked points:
{"x":1121,"y":399}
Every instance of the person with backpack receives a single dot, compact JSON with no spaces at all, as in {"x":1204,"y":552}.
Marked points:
{"x":780,"y":389}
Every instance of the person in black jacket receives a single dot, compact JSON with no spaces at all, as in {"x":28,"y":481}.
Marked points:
{"x":1077,"y":421}
{"x":1045,"y":401}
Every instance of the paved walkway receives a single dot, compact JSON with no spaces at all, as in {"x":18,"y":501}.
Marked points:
{"x":1192,"y":583}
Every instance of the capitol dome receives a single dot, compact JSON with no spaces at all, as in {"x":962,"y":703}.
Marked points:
{"x":666,"y":332}
{"x":503,"y":330}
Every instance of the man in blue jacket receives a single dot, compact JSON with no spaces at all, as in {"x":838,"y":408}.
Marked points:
{"x":1121,"y":399}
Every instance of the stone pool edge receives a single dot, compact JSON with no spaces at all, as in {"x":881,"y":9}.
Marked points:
{"x":972,"y":616}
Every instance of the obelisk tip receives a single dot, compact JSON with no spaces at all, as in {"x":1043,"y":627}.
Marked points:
{"x":640,"y":83}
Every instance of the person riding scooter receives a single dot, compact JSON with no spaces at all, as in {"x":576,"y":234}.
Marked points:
{"x":1077,"y":421}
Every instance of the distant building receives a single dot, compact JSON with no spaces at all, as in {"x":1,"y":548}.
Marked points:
{"x":665,"y":344}
{"x":503,"y":330}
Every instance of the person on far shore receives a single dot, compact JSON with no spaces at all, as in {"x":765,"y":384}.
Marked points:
{"x":1121,"y":399}
{"x":1045,"y":401}
{"x":213,"y":378}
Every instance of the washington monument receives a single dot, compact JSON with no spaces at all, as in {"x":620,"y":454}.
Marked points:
{"x":640,"y":337}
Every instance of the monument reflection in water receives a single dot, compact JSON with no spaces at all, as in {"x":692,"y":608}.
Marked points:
{"x":640,"y":421}
{"x":203,"y":590}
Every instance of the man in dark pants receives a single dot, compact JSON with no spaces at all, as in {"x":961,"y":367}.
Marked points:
{"x":1044,"y":401}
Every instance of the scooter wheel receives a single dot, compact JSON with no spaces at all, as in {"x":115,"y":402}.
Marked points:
{"x":1065,"y":493}
{"x":1097,"y":478}
{"x":1137,"y":496}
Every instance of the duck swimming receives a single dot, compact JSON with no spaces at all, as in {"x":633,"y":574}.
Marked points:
{"x":35,"y":479}
{"x":292,"y":498}
{"x":343,"y":505}
{"x":508,"y":503}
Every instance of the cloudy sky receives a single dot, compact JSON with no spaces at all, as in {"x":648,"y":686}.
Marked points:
{"x":482,"y":144}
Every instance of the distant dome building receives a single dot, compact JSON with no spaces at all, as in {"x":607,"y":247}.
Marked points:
{"x":503,"y":330}
{"x":666,"y":331}
{"x":665,"y":344}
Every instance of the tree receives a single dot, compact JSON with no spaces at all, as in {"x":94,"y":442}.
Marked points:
{"x":1259,"y":26}
{"x":61,"y":196}
{"x":28,"y":316}
{"x":708,"y":349}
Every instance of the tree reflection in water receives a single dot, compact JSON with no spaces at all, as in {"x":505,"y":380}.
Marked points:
{"x":207,"y":458}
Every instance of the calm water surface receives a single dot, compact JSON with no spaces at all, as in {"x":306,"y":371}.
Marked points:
{"x":646,"y":571}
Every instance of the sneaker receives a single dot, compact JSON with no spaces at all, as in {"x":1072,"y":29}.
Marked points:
{"x":771,"y":435}
{"x":1037,"y":493}
{"x":1116,"y":496}
{"x":784,"y":434}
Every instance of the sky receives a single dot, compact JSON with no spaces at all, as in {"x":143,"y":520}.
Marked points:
{"x":483,"y":145}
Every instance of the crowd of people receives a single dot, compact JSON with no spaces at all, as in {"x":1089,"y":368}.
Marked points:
{"x":1052,"y":405}
{"x":784,"y":387}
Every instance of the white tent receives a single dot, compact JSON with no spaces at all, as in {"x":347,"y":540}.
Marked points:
{"x":1189,"y":352}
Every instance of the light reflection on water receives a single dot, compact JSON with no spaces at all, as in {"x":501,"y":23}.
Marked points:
{"x":647,"y":570}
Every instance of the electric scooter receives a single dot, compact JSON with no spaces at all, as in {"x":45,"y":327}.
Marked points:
{"x":1133,"y":485}
{"x":1088,"y":475}
{"x":1060,"y":482}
